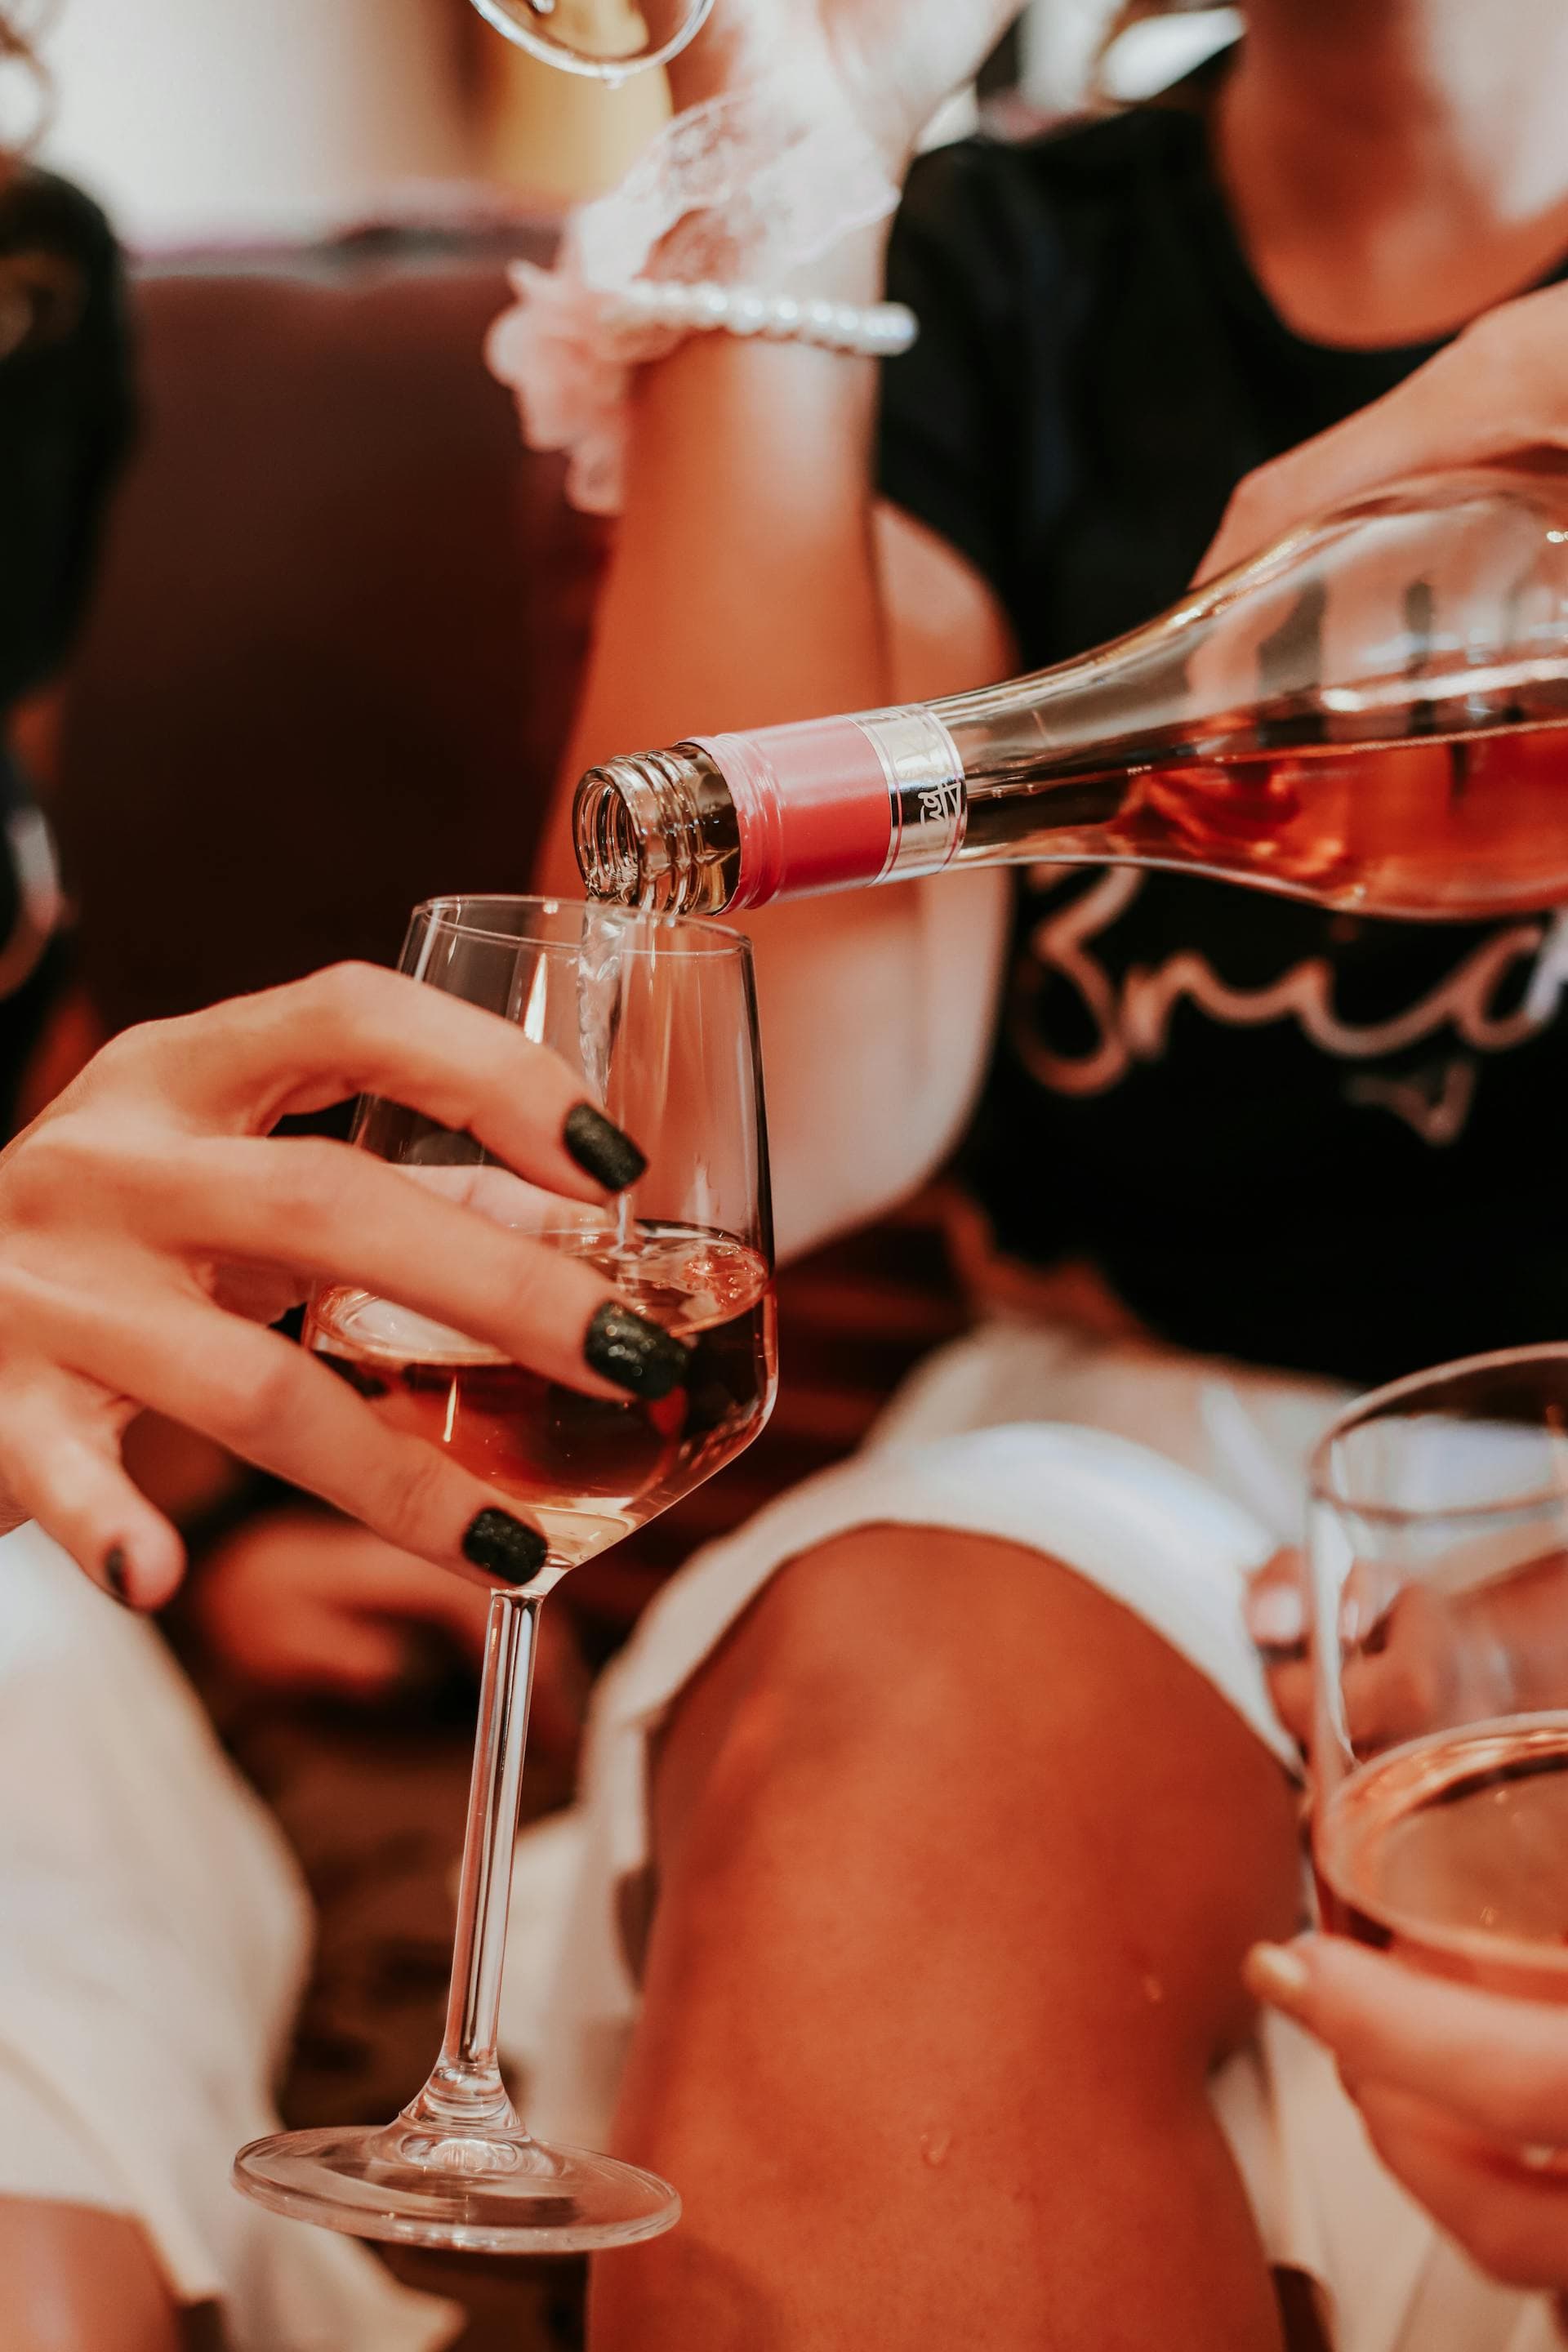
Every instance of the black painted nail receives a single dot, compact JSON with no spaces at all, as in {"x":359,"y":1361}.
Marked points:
{"x":504,"y":1548}
{"x":635,"y":1353}
{"x":114,"y":1575}
{"x":600,"y":1149}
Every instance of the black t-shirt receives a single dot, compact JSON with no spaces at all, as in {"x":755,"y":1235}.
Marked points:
{"x":64,"y":421}
{"x":1296,"y":1138}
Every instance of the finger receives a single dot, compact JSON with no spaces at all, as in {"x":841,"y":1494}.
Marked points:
{"x":59,"y":1458}
{"x":357,"y":1573}
{"x":298,"y":1601}
{"x":343,"y":1215}
{"x":1493,"y":393}
{"x":1290,"y":1688}
{"x":310,"y":1645}
{"x":276,"y":1405}
{"x":358,"y":1030}
{"x":1511,"y":2215}
{"x":1276,"y":1607}
{"x":375,"y":1582}
{"x":364,"y":1657}
{"x":1499,"y":2063}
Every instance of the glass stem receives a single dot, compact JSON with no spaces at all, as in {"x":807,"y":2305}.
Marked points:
{"x":465,"y":2092}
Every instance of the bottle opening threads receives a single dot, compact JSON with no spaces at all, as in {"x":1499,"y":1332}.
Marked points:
{"x":605,"y":835}
{"x":658,"y":830}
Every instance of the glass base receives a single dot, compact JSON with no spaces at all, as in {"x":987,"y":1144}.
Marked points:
{"x":494,"y":2191}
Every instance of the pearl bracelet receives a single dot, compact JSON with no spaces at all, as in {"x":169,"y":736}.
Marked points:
{"x":569,"y":350}
{"x":866,"y":330}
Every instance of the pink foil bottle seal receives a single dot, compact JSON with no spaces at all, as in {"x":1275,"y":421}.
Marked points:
{"x":831,"y":803}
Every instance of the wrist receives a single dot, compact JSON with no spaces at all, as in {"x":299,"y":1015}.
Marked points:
{"x":745,"y":189}
{"x":749,"y":213}
{"x":852,"y":269}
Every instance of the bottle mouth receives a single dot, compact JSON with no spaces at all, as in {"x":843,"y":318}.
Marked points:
{"x":613,"y":820}
{"x":655,"y":830}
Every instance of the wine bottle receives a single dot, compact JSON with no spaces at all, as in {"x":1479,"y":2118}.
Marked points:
{"x":1372,"y":714}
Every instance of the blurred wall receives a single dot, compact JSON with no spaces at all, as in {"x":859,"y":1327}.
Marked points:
{"x":276,"y":118}
{"x":196,"y":122}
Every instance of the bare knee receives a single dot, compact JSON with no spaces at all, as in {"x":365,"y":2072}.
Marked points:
{"x":80,"y":2280}
{"x":957,"y":1725}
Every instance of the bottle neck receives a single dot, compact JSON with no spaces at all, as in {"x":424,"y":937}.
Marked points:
{"x":733,"y":820}
{"x":658,"y":830}
{"x":839,"y":801}
{"x":1437,"y":610}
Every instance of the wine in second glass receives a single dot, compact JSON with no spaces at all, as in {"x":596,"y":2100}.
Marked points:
{"x":1454,"y":1853}
{"x":1440,"y":1570}
{"x":586,"y":1470}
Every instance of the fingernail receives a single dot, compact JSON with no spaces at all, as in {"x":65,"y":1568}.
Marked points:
{"x":1276,"y":1615}
{"x":1276,"y":1974}
{"x":504,"y":1547}
{"x":635,"y":1353}
{"x":600,"y":1149}
{"x":115,"y":1574}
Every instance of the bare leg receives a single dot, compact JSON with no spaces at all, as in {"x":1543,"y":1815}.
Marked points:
{"x":73,"y":2278}
{"x":958,"y":1861}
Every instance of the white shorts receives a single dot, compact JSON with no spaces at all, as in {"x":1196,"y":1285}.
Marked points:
{"x":1163,"y":1478}
{"x":153,"y":1938}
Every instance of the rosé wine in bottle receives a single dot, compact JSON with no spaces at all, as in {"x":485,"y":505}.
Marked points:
{"x":1372,"y":714}
{"x":1452,"y":1852}
{"x":587,"y":1470}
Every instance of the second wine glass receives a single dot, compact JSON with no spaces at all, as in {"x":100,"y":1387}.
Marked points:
{"x":660,"y":1018}
{"x":1439,"y":1555}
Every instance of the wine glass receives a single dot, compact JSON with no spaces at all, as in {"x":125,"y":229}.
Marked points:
{"x":658,"y":1017}
{"x":1438,"y":1537}
{"x":607,"y":38}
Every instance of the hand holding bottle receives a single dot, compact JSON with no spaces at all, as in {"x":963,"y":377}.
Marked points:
{"x":1497,"y":391}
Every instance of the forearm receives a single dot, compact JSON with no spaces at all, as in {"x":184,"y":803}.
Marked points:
{"x":754,"y":582}
{"x":743,"y":585}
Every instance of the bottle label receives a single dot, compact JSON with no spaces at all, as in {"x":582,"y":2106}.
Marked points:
{"x":930,"y":806}
{"x":839,"y":801}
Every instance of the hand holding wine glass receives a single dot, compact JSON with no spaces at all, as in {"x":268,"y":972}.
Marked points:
{"x":1438,"y":1527}
{"x":1464,"y":2093}
{"x":658,"y":1019}
{"x":1437,"y":1629}
{"x":152,"y":1225}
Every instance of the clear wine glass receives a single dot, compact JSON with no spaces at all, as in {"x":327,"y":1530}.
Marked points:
{"x":659,"y":1017}
{"x":1439,"y":1538}
{"x":607,"y":38}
